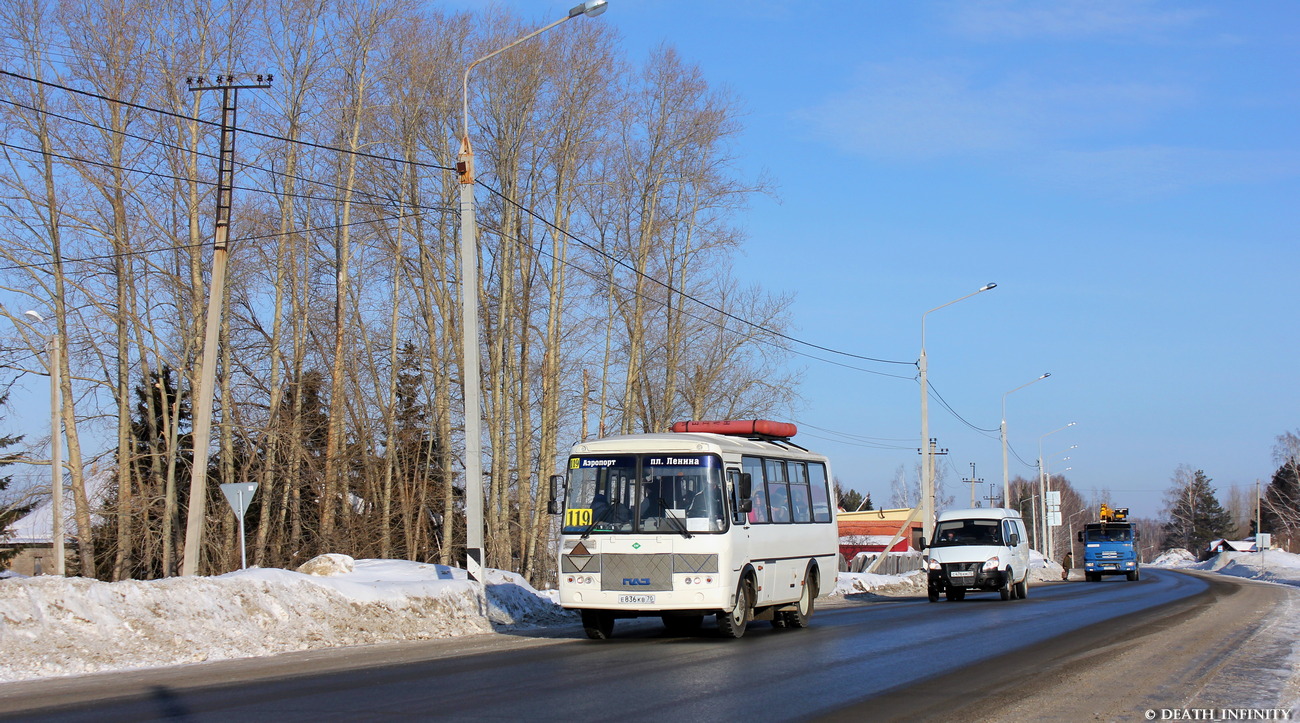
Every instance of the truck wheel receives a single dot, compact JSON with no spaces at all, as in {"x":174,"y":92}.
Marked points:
{"x":1132,"y":576}
{"x":598,"y":624}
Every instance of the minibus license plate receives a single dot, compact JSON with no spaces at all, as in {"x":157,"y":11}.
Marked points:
{"x":636,"y":599}
{"x":963,"y":573}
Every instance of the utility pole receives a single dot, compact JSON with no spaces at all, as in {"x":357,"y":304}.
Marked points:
{"x":972,"y":481}
{"x":927,"y":474}
{"x":216,"y":301}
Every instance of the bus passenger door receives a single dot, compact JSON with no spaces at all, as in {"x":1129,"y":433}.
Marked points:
{"x":739,"y":519}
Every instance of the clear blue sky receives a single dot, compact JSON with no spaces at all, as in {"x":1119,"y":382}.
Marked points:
{"x":1127,"y":172}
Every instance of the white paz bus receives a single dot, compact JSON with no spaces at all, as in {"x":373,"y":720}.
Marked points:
{"x":729,"y":519}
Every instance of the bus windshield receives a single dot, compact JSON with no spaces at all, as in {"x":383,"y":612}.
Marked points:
{"x":622,"y":493}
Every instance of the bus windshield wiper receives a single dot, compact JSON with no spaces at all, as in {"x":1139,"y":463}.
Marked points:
{"x":681,"y":526}
{"x":597,"y":520}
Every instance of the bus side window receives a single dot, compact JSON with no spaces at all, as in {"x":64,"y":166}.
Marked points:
{"x":778,"y":493}
{"x":799,"y":502}
{"x":758,"y":495}
{"x":817,"y":487}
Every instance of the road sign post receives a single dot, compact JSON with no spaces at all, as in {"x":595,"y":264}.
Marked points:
{"x":240,"y":495}
{"x":1053,"y":508}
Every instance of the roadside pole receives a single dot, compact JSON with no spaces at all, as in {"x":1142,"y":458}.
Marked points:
{"x":240,"y":496}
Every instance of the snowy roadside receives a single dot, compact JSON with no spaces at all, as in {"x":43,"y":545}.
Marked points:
{"x":1281,"y":638}
{"x":70,"y":626}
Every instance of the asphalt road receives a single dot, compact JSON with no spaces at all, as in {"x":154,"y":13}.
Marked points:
{"x":1105,"y":650}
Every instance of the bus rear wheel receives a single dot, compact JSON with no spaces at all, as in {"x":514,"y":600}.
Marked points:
{"x":798,"y":618}
{"x":598,"y":624}
{"x":732,"y":624}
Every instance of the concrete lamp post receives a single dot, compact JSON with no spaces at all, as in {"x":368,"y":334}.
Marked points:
{"x":474,"y":558}
{"x":1006,"y":476}
{"x":927,"y":459}
{"x":54,"y":349}
{"x":1042,"y":488}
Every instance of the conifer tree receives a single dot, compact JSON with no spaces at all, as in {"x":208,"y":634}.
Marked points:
{"x":10,"y":512}
{"x":1195,"y":515}
{"x":1280,"y":507}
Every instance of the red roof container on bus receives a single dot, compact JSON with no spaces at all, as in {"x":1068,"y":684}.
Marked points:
{"x":741,"y":428}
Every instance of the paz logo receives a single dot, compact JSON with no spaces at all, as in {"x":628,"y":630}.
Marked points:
{"x":636,"y":546}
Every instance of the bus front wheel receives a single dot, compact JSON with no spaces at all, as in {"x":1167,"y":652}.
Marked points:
{"x":732,"y":624}
{"x":598,"y":624}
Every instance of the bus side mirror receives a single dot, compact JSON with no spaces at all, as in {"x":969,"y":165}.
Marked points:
{"x":743,"y":491}
{"x":553,"y":505}
{"x":1080,"y":535}
{"x":920,"y":544}
{"x":1015,"y":539}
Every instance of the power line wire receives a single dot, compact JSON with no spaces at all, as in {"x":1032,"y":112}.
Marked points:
{"x":202,"y":244}
{"x":173,"y":114}
{"x":506,"y":199}
{"x":668,"y":287}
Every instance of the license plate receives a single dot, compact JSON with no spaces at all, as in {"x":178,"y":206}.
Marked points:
{"x":636,"y":599}
{"x":963,"y":574}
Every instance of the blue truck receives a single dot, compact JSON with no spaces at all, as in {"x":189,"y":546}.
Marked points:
{"x":1108,"y":545}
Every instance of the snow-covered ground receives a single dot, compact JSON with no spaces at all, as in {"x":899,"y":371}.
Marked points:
{"x":1282,"y":634}
{"x":67,"y":626}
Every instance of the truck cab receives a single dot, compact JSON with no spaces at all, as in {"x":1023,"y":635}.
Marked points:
{"x":1108,"y":546}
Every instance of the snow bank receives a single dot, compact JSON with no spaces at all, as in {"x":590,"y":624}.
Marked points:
{"x":857,"y":583}
{"x":62,"y":626}
{"x":1271,"y":566}
{"x":1177,"y":557}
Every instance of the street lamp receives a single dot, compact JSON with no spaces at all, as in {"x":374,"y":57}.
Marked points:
{"x":54,"y":347}
{"x":469,"y":308}
{"x":1006,"y":481}
{"x":927,"y":459}
{"x":1042,"y":488}
{"x":1047,"y":481}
